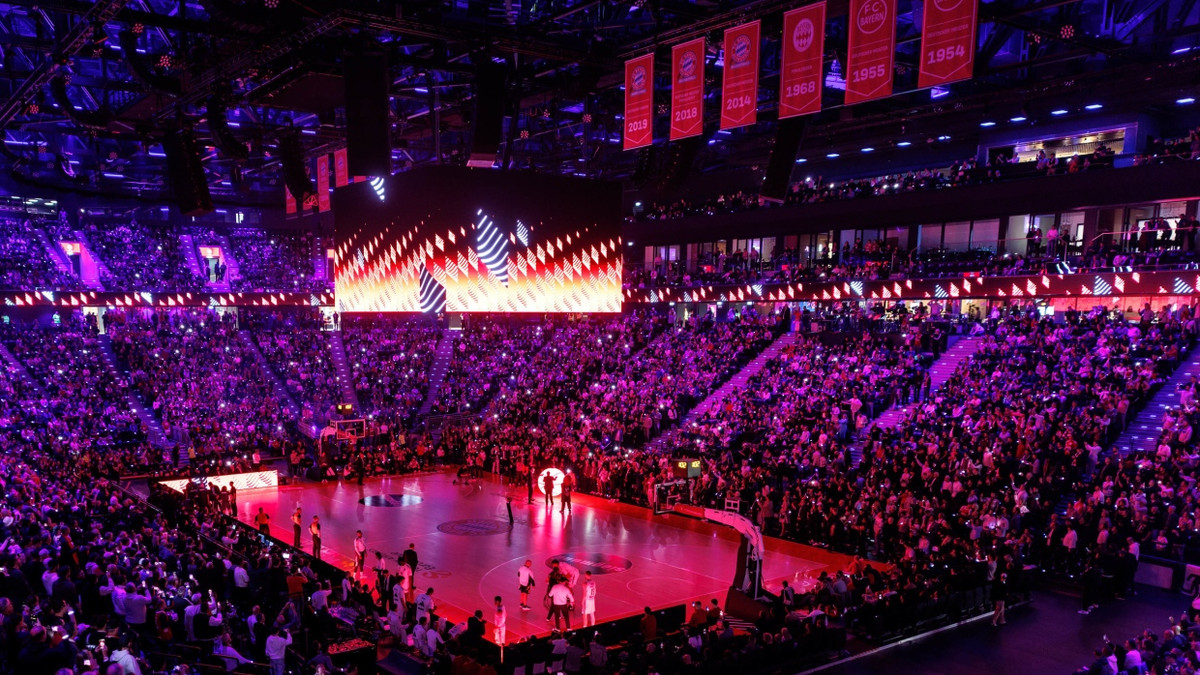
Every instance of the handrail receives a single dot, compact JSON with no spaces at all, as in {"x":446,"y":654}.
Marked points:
{"x":1130,"y":234}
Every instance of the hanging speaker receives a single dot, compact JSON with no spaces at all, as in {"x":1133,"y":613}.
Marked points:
{"x":783,"y":159}
{"x":186,"y":173}
{"x":491,"y":84}
{"x":368,"y":129}
{"x":295,"y":175}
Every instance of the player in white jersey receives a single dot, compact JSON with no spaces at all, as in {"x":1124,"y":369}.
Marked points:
{"x":589,"y":600}
{"x":499,"y":619}
{"x":525,"y":582}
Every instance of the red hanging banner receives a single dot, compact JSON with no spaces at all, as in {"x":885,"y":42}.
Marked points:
{"x":323,"y":183}
{"x":803,"y":61}
{"x":871,"y":56}
{"x":948,"y":41}
{"x":739,"y":90}
{"x":639,"y":102}
{"x":687,"y":89}
{"x":289,"y":202}
{"x":341,"y":174}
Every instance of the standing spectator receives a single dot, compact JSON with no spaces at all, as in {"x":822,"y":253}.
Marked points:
{"x":999,"y":597}
{"x":276,"y":650}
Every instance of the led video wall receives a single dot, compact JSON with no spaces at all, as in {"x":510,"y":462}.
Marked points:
{"x":477,"y":240}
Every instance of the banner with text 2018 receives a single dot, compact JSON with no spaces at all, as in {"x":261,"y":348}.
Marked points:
{"x":871,"y":57}
{"x":739,"y":88}
{"x":948,"y":41}
{"x":687,"y":89}
{"x":803,"y":61}
{"x":639,"y":102}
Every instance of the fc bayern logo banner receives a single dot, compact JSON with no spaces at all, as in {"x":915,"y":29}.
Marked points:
{"x":803,"y":59}
{"x":948,"y":42}
{"x":687,"y":89}
{"x":739,"y":89}
{"x":341,"y":172}
{"x":871,"y":56}
{"x":323,"y":204}
{"x":639,"y":102}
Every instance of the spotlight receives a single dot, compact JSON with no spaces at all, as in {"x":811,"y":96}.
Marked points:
{"x":1093,"y":106}
{"x":164,"y":61}
{"x":587,"y":118}
{"x":524,"y":134}
{"x":1187,"y":100}
{"x":1059,"y":112}
{"x":1067,"y":32}
{"x":271,"y":4}
{"x":33,"y":109}
{"x":138,"y":28}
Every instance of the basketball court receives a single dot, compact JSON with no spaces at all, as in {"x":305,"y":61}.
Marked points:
{"x":468,"y":552}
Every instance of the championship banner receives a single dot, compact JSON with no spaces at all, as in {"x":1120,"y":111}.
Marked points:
{"x":803,"y":61}
{"x":687,"y":89}
{"x":639,"y":102}
{"x":341,"y":173}
{"x":871,"y":56}
{"x":739,"y":89}
{"x":948,"y":42}
{"x":323,"y":183}
{"x":289,"y":202}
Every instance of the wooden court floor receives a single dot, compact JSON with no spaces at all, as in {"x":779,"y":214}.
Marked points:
{"x":468,"y":553}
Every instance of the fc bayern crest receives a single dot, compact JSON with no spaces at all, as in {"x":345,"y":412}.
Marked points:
{"x":802,"y":35}
{"x":741,"y":49}
{"x":687,"y":64}
{"x":639,"y":79}
{"x":872,"y":16}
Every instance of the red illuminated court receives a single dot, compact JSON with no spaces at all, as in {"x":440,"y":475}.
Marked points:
{"x":468,"y":553}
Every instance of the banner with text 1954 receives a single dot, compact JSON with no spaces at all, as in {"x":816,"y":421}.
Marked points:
{"x":948,"y":41}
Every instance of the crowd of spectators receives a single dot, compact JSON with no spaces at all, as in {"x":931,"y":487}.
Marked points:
{"x":141,"y":257}
{"x":276,"y":261}
{"x":297,"y":347}
{"x":25,"y":264}
{"x":1173,"y":651}
{"x":202,"y":382}
{"x":84,"y":405}
{"x":389,"y":359}
{"x":487,"y":352}
{"x":822,"y":189}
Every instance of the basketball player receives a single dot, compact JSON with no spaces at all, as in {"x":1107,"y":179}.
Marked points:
{"x":360,"y":553}
{"x":525,"y":583}
{"x":499,"y":619}
{"x":589,"y":600}
{"x":568,"y":486}
{"x":405,"y":585}
{"x":314,"y":530}
{"x":296,"y":526}
{"x":569,"y":572}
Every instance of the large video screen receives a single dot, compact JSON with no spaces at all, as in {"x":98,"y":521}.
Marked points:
{"x":477,"y":240}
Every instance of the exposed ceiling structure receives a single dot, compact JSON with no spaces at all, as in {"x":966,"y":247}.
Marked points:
{"x":88,"y":89}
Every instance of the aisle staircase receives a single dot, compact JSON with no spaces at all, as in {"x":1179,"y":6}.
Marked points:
{"x":1143,"y":430}
{"x":187,"y":247}
{"x":939,"y":372}
{"x":101,"y":268}
{"x":437,"y":371}
{"x":718,"y":396}
{"x":21,"y":373}
{"x":55,"y":253}
{"x":158,"y":438}
{"x":341,"y":365}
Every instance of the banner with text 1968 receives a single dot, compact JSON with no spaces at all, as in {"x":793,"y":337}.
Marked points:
{"x":739,"y":88}
{"x":803,"y":60}
{"x":948,"y":41}
{"x":687,"y":89}
{"x":639,"y":102}
{"x":871,"y":56}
